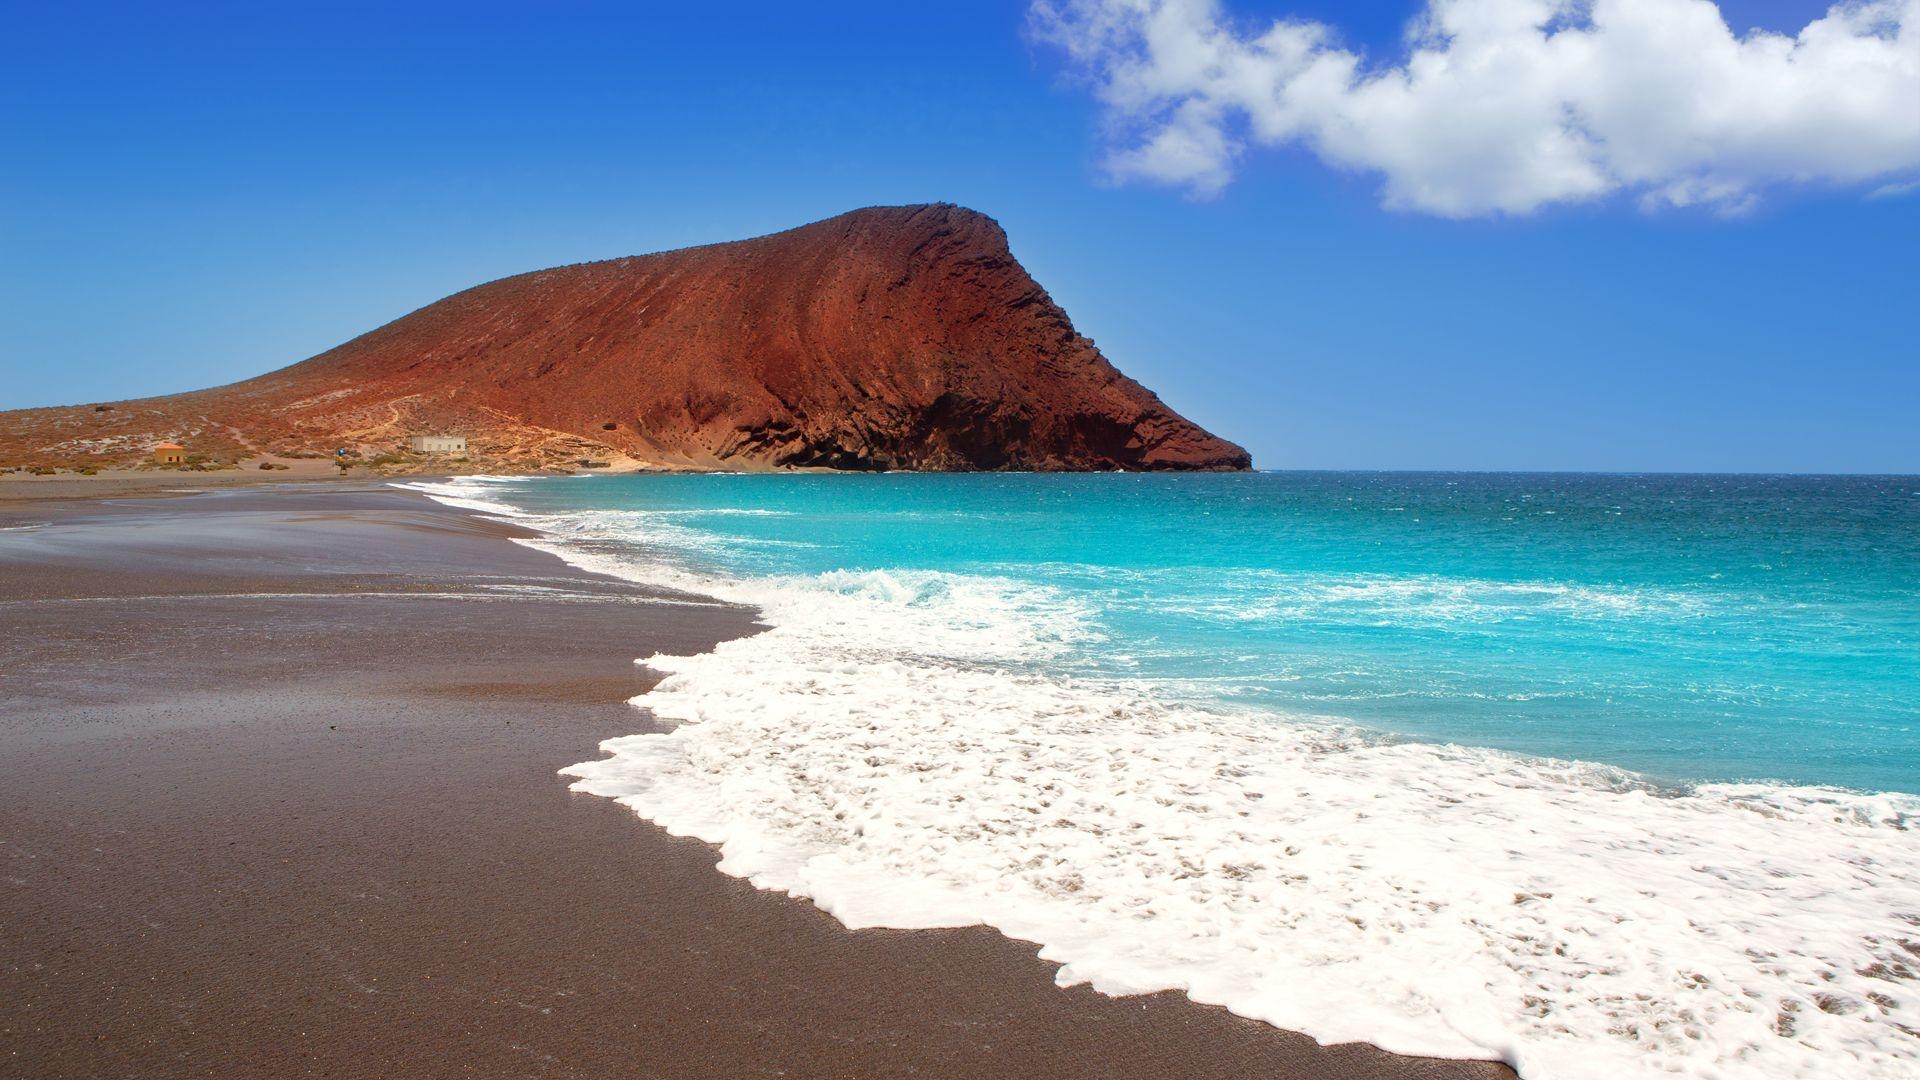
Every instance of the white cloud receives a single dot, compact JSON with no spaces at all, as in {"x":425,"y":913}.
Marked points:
{"x":1505,"y":106}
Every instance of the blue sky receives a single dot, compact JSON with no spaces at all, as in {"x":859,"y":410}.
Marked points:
{"x":192,"y":198}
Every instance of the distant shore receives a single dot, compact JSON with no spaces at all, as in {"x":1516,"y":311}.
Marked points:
{"x":21,"y":485}
{"x":278,"y":793}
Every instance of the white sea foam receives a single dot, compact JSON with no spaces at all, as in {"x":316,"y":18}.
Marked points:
{"x":467,"y":493}
{"x":1245,"y":595}
{"x":895,"y":750}
{"x":722,"y":511}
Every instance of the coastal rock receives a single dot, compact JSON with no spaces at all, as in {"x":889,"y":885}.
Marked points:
{"x":886,"y":338}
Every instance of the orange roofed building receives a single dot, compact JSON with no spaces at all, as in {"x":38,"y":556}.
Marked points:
{"x":169,"y":454}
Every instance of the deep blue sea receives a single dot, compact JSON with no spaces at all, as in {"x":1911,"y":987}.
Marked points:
{"x":1584,"y":772}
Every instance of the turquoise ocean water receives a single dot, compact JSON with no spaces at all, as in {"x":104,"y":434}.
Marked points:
{"x":1599,"y":775}
{"x":1687,"y":627}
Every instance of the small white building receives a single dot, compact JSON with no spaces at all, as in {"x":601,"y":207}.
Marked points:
{"x":437,"y":444}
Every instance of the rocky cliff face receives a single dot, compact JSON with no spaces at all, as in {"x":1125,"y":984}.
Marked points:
{"x":886,"y":338}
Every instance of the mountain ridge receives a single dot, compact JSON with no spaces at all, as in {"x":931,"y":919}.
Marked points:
{"x":884,"y":338}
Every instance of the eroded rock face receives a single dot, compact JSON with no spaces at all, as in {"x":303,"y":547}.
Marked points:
{"x":886,"y":338}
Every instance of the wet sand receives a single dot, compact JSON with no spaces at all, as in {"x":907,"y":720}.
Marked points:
{"x":23,"y":486}
{"x":278,"y":796}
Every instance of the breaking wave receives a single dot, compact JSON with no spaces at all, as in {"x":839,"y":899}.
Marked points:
{"x":904,"y":749}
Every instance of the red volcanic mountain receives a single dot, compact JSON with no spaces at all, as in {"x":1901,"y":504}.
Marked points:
{"x":887,"y":338}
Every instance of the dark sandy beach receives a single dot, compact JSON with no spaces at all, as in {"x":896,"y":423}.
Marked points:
{"x":278,"y":797}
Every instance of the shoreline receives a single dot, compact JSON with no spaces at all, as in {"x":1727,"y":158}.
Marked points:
{"x":869,"y":753}
{"x":283,"y":794}
{"x":156,"y":483}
